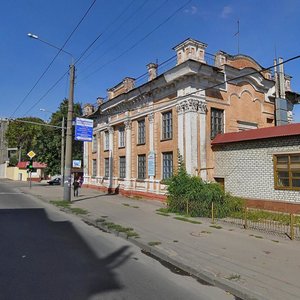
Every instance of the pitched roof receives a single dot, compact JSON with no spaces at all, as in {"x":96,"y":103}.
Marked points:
{"x":36,"y":165}
{"x":257,"y":134}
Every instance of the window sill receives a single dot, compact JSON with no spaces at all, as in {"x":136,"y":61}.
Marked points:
{"x":141,"y":144}
{"x":169,"y":139}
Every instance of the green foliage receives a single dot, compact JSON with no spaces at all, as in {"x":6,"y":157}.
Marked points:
{"x":13,"y":161}
{"x":191,"y":195}
{"x":24,"y":135}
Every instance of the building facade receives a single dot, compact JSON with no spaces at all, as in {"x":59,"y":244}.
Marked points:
{"x":261,"y":164}
{"x":140,"y":130}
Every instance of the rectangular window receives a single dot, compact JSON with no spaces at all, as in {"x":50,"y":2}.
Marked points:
{"x":94,"y":168}
{"x":142,"y":166}
{"x":106,"y":167}
{"x":217,"y":122}
{"x":141,"y":132}
{"x":167,"y":164}
{"x":121,"y":137}
{"x":94,"y":144}
{"x":287,"y":171}
{"x":167,"y":127}
{"x":106,"y":140}
{"x":122,"y":167}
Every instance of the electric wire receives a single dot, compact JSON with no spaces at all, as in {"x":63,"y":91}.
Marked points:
{"x":139,"y":41}
{"x":54,"y":58}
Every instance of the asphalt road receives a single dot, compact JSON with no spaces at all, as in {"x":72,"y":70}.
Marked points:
{"x":46,"y":254}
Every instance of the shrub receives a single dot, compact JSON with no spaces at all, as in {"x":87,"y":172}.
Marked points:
{"x":191,"y":195}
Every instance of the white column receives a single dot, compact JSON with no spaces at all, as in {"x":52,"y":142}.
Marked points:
{"x":191,"y":136}
{"x":203,"y":110}
{"x":98,"y":136}
{"x":128,"y":153}
{"x":180,"y":112}
{"x":151,"y":145}
{"x":111,"y":149}
{"x":85,"y":162}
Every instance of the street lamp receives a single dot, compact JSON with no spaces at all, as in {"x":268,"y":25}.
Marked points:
{"x":68,"y":155}
{"x":62,"y":156}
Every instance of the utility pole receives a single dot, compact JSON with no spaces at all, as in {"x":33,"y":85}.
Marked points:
{"x":62,"y":162}
{"x":68,"y":156}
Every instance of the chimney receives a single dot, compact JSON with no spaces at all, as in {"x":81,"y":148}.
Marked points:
{"x":100,"y":101}
{"x":152,"y":71}
{"x":88,"y":109}
{"x":128,"y":83}
{"x":220,"y":59}
{"x":190,"y":49}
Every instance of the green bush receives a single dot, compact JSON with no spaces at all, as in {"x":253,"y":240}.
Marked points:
{"x":191,"y":195}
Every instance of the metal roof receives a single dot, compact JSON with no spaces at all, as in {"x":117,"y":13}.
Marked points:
{"x":257,"y":134}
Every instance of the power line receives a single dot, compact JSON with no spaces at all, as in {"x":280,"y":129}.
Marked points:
{"x":54,"y":58}
{"x":139,"y":41}
{"x":105,"y":29}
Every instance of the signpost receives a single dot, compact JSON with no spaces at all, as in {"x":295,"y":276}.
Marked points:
{"x":83,"y":130}
{"x":31,"y":155}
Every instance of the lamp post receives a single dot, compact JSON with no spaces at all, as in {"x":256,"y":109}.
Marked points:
{"x":62,"y":156}
{"x":68,"y":153}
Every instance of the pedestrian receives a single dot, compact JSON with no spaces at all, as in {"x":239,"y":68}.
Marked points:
{"x":76,"y":187}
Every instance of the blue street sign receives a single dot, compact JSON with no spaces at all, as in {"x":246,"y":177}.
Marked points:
{"x":83,"y":130}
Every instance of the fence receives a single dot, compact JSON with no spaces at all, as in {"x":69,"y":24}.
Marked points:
{"x":278,"y":223}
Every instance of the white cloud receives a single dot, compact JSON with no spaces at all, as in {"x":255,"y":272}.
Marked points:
{"x":191,"y":10}
{"x":227,"y":10}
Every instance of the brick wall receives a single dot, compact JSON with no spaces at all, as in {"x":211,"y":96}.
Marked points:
{"x":247,"y":168}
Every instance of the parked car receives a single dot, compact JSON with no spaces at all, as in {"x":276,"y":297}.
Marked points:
{"x":55,"y":181}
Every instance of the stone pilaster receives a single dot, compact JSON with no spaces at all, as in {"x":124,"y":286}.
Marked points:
{"x":111,"y":149}
{"x":128,"y":128}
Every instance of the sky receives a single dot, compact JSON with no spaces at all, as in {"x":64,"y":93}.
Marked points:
{"x":127,"y":35}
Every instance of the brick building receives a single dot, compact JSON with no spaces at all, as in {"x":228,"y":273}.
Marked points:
{"x":139,"y":130}
{"x":261,"y":164}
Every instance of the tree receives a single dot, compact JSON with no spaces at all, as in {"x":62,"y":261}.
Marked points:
{"x":24,"y":135}
{"x":50,"y":143}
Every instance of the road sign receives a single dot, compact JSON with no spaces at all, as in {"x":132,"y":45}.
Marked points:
{"x":84,"y":130}
{"x":31,"y":154}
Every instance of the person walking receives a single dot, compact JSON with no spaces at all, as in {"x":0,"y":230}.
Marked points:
{"x":76,"y":187}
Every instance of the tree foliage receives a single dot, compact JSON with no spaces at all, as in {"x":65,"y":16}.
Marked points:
{"x":50,"y":143}
{"x":43,"y":140}
{"x":24,"y":135}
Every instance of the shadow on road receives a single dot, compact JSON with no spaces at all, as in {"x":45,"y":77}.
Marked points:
{"x":42,"y":259}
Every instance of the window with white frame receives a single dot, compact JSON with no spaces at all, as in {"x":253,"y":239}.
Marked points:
{"x":167,"y":163}
{"x":106,"y":167}
{"x":94,"y":143}
{"x":141,"y":132}
{"x":167,"y":128}
{"x":142,"y":166}
{"x":121,"y":137}
{"x":122,"y":167}
{"x":106,"y":140}
{"x":94,"y":167}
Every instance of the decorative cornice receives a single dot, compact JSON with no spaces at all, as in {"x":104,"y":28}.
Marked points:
{"x":151,"y":117}
{"x":128,"y":124}
{"x":191,"y":105}
{"x":110,"y":129}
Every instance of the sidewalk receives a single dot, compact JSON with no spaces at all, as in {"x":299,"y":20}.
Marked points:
{"x":249,"y":264}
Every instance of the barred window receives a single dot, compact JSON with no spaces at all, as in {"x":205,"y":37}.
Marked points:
{"x":121,"y":137}
{"x":122,"y":166}
{"x":216,"y":122}
{"x":287,"y":171}
{"x":142,"y":166}
{"x":141,"y":132}
{"x":106,"y":140}
{"x":167,"y":127}
{"x":106,"y":167}
{"x":167,"y":164}
{"x":94,"y":167}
